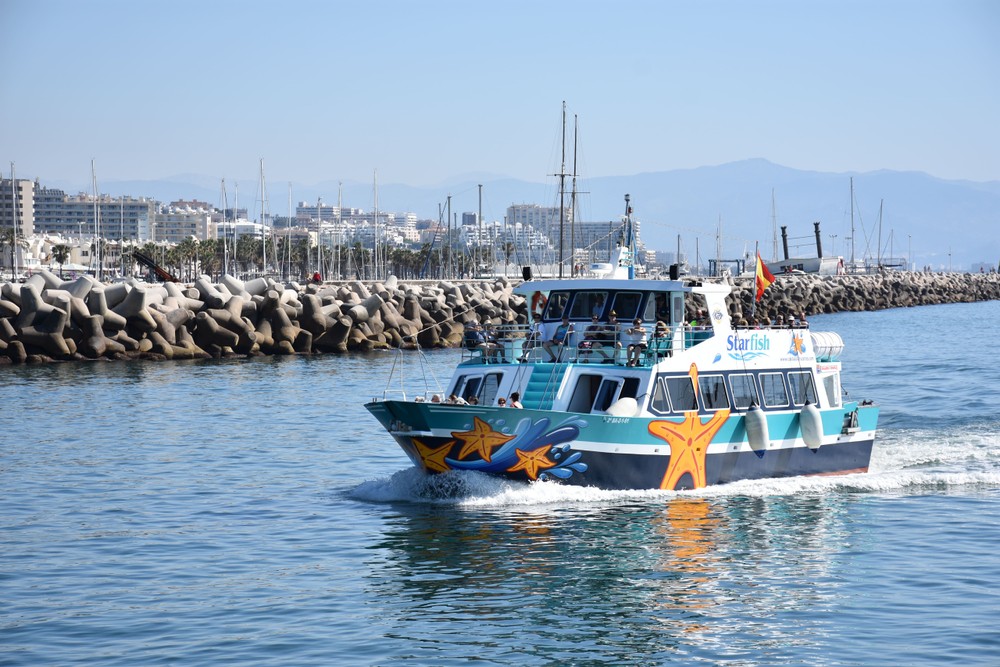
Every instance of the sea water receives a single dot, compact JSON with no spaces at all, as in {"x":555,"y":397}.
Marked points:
{"x":252,"y":512}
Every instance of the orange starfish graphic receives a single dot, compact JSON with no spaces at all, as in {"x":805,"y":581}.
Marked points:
{"x":688,"y":446}
{"x":433,"y":457}
{"x":481,"y":439}
{"x":797,"y":346}
{"x":533,"y":461}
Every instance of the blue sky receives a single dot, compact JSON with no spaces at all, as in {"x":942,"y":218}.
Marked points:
{"x":427,"y":92}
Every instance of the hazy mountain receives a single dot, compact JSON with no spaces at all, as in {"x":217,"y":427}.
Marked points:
{"x":936,"y":216}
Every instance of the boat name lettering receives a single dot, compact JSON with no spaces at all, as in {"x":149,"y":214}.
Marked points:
{"x":616,"y":420}
{"x":755,"y":343}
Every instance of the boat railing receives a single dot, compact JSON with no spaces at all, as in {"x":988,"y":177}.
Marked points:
{"x":511,"y":343}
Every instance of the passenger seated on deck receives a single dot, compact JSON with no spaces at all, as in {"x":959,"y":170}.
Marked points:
{"x":661,"y":344}
{"x":476,"y":338}
{"x":592,"y":340}
{"x":559,"y":337}
{"x":611,"y":336}
{"x":637,"y":342}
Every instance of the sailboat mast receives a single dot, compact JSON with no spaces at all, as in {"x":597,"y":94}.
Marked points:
{"x":375,"y":252}
{"x":572,"y":200}
{"x":225,"y":232}
{"x":562,"y":191}
{"x":340,"y":209}
{"x":263,"y":234}
{"x":15,"y":268}
{"x":774,"y":229}
{"x":852,"y":223}
{"x":319,"y":236}
{"x":97,"y":223}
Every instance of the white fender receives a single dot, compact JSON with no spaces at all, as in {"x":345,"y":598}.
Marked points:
{"x":623,"y":407}
{"x":811,"y":423}
{"x":755,"y":422}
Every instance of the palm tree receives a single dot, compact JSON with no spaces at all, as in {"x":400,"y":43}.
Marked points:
{"x":60,"y":253}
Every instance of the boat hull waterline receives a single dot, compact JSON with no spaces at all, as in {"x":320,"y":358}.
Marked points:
{"x":624,"y":452}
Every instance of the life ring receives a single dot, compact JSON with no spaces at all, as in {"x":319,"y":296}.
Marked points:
{"x":538,"y":301}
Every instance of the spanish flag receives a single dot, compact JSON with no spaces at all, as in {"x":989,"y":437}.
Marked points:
{"x":764,"y":277}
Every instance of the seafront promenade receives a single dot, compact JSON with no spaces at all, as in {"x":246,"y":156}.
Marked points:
{"x":48,"y":319}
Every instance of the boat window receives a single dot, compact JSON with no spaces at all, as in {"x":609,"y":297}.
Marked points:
{"x":681,"y":392}
{"x":803,"y":388}
{"x":471,"y":387}
{"x":744,"y":390}
{"x":775,"y":394}
{"x":830,"y":386}
{"x":488,"y":389}
{"x":626,"y":305}
{"x":713,"y":392}
{"x":630,"y":388}
{"x":457,"y":387}
{"x":678,"y":308}
{"x":587,"y":304}
{"x":606,"y":394}
{"x":584,"y":393}
{"x":657,"y":307}
{"x":556,"y":305}
{"x":659,"y":402}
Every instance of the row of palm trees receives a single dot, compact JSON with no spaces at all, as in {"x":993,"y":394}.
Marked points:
{"x":297,"y":260}
{"x":286,"y":259}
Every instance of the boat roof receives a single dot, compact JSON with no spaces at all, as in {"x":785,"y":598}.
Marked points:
{"x":637,"y":284}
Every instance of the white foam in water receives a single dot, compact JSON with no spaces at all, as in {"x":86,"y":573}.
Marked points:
{"x":902,"y":459}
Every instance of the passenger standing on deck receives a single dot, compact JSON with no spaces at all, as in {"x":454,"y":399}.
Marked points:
{"x":515,"y":400}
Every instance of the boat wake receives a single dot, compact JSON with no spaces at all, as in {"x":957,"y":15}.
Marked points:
{"x":904,"y":460}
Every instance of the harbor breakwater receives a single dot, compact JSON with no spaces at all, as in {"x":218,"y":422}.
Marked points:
{"x":49,"y":319}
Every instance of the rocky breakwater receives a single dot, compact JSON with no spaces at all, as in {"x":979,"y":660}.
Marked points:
{"x":49,"y":319}
{"x":811,"y":294}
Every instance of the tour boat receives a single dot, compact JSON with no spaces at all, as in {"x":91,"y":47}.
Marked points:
{"x":705,"y":402}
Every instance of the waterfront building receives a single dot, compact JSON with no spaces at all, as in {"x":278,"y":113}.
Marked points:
{"x":176,"y":223}
{"x":17,"y":204}
{"x":128,"y":218}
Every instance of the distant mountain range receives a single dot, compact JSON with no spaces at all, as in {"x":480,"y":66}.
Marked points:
{"x":947,"y":223}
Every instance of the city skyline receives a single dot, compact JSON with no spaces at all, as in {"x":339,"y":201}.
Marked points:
{"x":438,"y":92}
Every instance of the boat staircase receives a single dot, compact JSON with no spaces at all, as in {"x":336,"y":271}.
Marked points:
{"x":542,"y":385}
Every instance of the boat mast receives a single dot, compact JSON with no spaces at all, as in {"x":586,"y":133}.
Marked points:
{"x":97,"y":223}
{"x":562,"y":190}
{"x":852,"y":223}
{"x":774,"y":229}
{"x":375,"y":253}
{"x":263,"y":234}
{"x":479,"y":241}
{"x":340,"y":209}
{"x":319,"y":236}
{"x":225,"y":233}
{"x":14,"y":268}
{"x":572,"y":200}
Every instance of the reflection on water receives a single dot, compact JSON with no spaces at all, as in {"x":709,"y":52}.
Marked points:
{"x":630,"y":579}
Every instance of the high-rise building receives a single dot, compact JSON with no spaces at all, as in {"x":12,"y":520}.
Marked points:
{"x":82,"y":216}
{"x":17,"y":206}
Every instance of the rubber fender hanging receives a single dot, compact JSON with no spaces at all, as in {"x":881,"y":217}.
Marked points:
{"x":756,"y":427}
{"x":811,"y":424}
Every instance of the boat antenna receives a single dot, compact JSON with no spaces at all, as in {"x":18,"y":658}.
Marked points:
{"x":628,"y":234}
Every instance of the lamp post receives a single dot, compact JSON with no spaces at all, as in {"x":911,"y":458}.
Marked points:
{"x":909,"y":251}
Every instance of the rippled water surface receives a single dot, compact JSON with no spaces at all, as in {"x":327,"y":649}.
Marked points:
{"x":252,"y":512}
